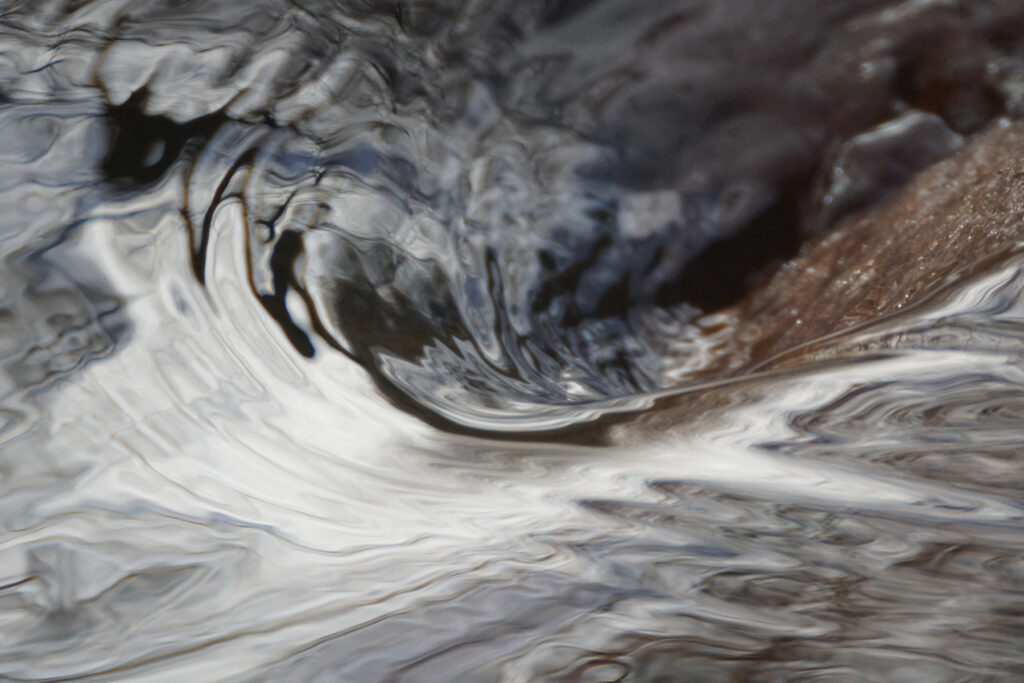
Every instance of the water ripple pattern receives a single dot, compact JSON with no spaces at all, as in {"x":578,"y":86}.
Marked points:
{"x":279,"y":276}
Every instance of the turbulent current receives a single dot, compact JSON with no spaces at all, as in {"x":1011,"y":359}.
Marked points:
{"x":511,"y":340}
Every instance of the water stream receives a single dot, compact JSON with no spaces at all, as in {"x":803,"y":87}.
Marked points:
{"x":364,"y":341}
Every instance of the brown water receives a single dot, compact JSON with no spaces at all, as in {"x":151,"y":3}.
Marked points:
{"x":280,"y":278}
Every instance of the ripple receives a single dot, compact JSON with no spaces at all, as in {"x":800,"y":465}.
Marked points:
{"x":255,"y":257}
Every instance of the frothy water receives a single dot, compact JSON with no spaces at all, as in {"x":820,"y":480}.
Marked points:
{"x":363,"y":341}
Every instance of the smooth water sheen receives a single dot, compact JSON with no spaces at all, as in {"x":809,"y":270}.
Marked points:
{"x":359,"y":341}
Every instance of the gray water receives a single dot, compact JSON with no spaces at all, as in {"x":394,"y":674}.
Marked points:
{"x":361,"y":341}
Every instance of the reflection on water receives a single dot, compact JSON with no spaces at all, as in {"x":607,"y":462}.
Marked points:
{"x":278,"y":278}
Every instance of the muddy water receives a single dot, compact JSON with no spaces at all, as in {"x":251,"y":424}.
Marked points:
{"x":372,"y":341}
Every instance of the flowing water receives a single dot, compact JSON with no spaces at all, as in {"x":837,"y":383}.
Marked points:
{"x":363,"y":341}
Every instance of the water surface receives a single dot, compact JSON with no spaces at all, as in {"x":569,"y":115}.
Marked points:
{"x":281,"y":280}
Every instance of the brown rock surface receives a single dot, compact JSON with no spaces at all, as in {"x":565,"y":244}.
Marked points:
{"x":960,"y":212}
{"x":950,"y":222}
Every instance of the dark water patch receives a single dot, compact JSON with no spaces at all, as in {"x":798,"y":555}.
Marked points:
{"x":143,"y":147}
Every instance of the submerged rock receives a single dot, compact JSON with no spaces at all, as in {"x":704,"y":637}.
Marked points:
{"x":954,"y":218}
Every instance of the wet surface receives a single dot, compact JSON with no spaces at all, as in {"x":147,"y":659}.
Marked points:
{"x":282,"y":281}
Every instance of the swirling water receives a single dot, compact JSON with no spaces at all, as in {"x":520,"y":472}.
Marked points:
{"x":282,"y":279}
